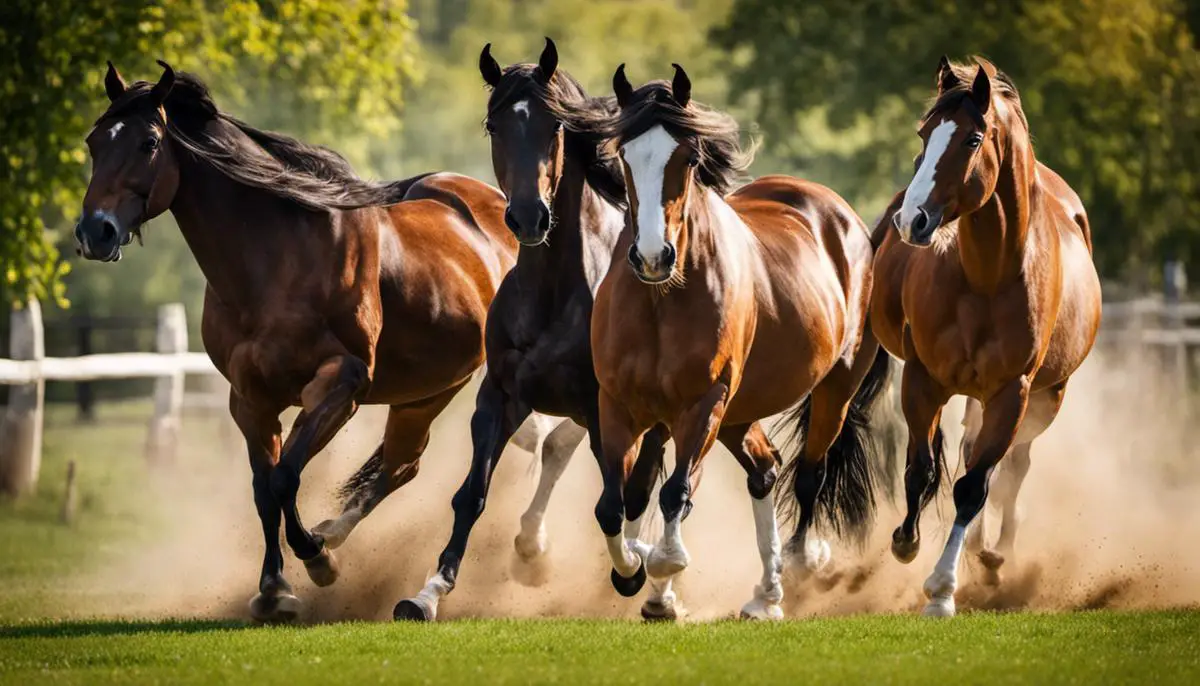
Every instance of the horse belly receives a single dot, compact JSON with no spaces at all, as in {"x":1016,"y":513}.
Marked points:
{"x":1078,"y":316}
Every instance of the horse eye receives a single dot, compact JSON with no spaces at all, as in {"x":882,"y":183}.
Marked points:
{"x":150,"y":144}
{"x":974,"y":140}
{"x":694,"y":160}
{"x":489,"y":127}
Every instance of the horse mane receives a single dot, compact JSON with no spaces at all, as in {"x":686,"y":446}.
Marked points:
{"x":714,"y":134}
{"x":585,"y":120}
{"x":949,"y":100}
{"x":312,"y":176}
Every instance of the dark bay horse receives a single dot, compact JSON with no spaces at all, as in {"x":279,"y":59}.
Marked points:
{"x":732,"y":308}
{"x":324,"y":291}
{"x":566,"y":196}
{"x":987,"y":290}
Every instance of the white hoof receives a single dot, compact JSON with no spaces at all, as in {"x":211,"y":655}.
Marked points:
{"x":762,"y":609}
{"x":531,"y":544}
{"x":665,"y":561}
{"x":939,"y":607}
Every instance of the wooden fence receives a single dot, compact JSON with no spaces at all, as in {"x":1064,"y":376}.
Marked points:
{"x":29,"y":369}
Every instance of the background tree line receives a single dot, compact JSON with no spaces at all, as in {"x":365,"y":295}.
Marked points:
{"x":831,"y":90}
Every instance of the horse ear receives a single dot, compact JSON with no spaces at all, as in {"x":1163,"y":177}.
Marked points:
{"x":548,"y":62}
{"x":165,"y":83}
{"x":981,"y":91}
{"x":622,"y":88}
{"x":681,"y":86}
{"x":489,"y":68}
{"x":946,"y":78}
{"x":114,"y":85}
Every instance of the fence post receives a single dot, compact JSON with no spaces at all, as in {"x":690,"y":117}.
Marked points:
{"x":1174,"y":286}
{"x":21,"y":430}
{"x":84,"y":396}
{"x":163,"y":437}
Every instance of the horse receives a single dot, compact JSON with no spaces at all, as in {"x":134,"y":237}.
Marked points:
{"x":986,"y":289}
{"x":323,"y":291}
{"x":732,"y":308}
{"x":566,"y":198}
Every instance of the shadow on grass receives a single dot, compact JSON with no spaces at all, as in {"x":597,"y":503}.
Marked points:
{"x":75,"y":629}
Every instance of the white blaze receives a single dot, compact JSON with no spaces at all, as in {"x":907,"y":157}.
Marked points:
{"x":522,"y":108}
{"x":116,"y":128}
{"x":923,"y":181}
{"x":647,"y":157}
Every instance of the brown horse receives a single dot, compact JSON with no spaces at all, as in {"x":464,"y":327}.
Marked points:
{"x":565,"y":196}
{"x":324,"y":291}
{"x":732,"y":309}
{"x":987,"y":290}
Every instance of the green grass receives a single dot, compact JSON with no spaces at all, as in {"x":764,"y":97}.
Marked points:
{"x":38,"y":552}
{"x":1087,"y":648}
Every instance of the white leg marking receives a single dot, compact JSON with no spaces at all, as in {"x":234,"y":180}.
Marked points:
{"x":647,"y":157}
{"x":923,"y":181}
{"x":624,"y":558}
{"x":532,"y":541}
{"x":633,"y":530}
{"x":940,"y":585}
{"x":336,"y":531}
{"x":429,"y":597}
{"x":670,"y":556}
{"x":769,"y":592}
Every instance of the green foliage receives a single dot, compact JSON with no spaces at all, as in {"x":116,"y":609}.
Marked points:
{"x":327,"y":70}
{"x":1111,"y":89}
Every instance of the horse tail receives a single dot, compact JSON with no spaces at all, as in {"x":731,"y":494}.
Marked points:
{"x":852,"y":468}
{"x":363,"y":480}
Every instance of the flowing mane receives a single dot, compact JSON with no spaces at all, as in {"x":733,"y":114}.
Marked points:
{"x":584,"y":118}
{"x":715,"y":135}
{"x":950,"y":99}
{"x":312,"y":176}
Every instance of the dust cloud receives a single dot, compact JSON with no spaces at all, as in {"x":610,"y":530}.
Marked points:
{"x":1109,"y":514}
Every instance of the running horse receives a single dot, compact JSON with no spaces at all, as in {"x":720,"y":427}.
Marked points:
{"x":324,"y":291}
{"x":987,"y":289}
{"x":566,"y":198}
{"x":732,"y":308}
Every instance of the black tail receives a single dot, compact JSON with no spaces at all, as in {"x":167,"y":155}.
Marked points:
{"x":362,"y":480}
{"x":846,"y":501}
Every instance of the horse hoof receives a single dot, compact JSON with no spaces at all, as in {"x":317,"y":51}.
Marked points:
{"x":329,"y":531}
{"x":413,"y":611}
{"x":629,"y":587}
{"x":939,"y":607}
{"x":758,"y":609}
{"x":322,"y":569}
{"x":278,"y":608}
{"x":530,"y":546}
{"x":660,"y":612}
{"x":903,"y":549}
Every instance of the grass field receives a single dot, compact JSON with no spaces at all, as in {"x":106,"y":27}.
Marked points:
{"x":37,"y":551}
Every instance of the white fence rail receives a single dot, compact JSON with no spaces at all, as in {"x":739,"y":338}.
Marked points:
{"x":27,"y":372}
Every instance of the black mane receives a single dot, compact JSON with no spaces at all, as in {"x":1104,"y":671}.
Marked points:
{"x":585,"y":120}
{"x":313,"y":176}
{"x":714,"y":135}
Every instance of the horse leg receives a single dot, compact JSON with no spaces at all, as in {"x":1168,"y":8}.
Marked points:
{"x":617,"y":443}
{"x":923,"y":399}
{"x":758,"y":456}
{"x":394,"y":463}
{"x":275,"y":601}
{"x":1043,"y":408}
{"x":696,"y":429}
{"x":330,"y":399}
{"x":1002,"y":415}
{"x":497,"y":416}
{"x":557,"y":450}
{"x":972,"y":421}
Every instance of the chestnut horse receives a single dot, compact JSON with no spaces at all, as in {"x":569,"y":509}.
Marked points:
{"x":987,"y":290}
{"x":566,"y":196}
{"x":731,"y":309}
{"x":324,"y":291}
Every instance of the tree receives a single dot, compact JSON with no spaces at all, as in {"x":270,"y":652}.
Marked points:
{"x":1111,"y":89}
{"x":321,"y":69}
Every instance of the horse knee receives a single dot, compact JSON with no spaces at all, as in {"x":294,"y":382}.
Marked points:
{"x":609,"y":514}
{"x":284,"y":482}
{"x":970,"y":493}
{"x":761,"y":483}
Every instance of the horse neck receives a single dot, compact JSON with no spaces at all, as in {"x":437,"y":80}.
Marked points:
{"x":227,"y":226}
{"x":577,"y":253}
{"x":994,"y":239}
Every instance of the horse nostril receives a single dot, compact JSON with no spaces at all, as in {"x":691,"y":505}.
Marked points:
{"x":543,"y":219}
{"x":635,"y":260}
{"x":108,"y":231}
{"x":920,"y":221}
{"x":509,"y":220}
{"x":668,"y":256}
